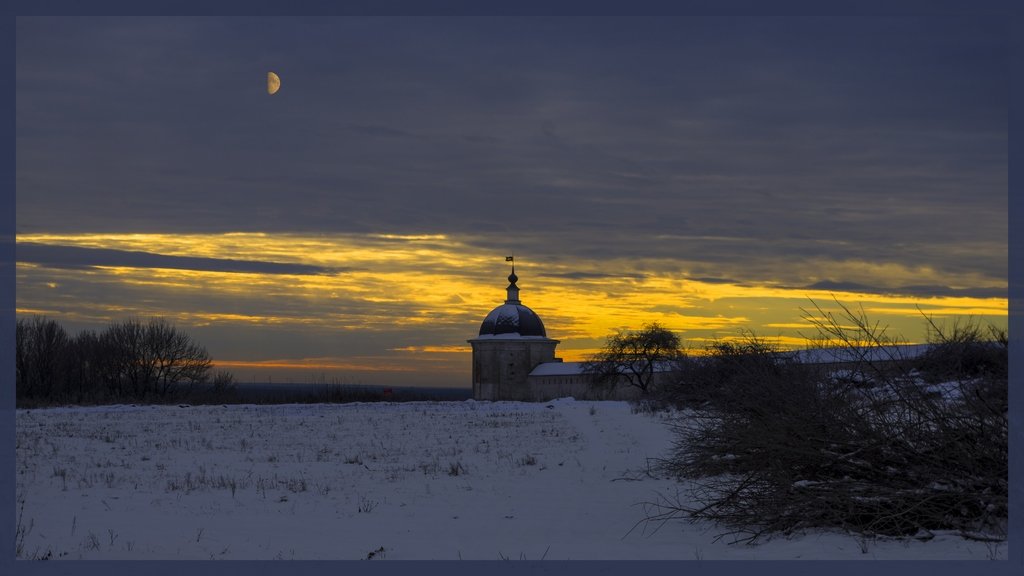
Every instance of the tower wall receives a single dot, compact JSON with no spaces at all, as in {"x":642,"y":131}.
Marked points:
{"x":501,"y":366}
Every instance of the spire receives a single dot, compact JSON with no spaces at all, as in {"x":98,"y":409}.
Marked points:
{"x":513,"y":290}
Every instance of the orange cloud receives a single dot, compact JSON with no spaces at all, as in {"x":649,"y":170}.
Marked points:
{"x":438,"y":288}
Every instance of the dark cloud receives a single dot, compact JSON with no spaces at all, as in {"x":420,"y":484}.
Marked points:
{"x":710,"y":280}
{"x":590,"y":275}
{"x":804,"y":139}
{"x":840,"y":286}
{"x":379,"y":131}
{"x":77,"y":257}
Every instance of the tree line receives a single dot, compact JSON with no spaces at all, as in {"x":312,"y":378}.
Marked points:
{"x":130,"y":360}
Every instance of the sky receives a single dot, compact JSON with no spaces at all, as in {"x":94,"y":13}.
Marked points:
{"x":715,"y":174}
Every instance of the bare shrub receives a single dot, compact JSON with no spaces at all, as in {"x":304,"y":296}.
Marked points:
{"x":731,"y":368}
{"x":528,"y":460}
{"x":22,"y":531}
{"x":963,"y":350}
{"x":366,"y":505}
{"x":774,"y":446}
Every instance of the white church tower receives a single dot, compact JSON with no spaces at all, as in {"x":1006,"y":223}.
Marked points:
{"x":511,"y":343}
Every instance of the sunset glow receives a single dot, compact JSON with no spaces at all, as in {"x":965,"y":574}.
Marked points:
{"x":435,"y":289}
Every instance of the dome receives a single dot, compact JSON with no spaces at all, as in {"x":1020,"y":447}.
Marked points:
{"x":513,"y":319}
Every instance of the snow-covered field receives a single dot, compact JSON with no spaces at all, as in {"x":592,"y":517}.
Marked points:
{"x":446,"y":480}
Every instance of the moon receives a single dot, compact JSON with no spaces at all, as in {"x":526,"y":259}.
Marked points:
{"x":273,"y":83}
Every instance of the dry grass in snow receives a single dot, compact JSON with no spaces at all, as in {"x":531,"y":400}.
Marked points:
{"x":445,"y":480}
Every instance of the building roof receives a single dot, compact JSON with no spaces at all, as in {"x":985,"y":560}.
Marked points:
{"x":558,"y":369}
{"x":576,"y":368}
{"x":508,"y":336}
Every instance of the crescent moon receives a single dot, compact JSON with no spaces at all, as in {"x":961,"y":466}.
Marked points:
{"x":273,"y":83}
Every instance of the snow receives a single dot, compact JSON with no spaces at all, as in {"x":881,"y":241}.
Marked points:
{"x":446,"y":480}
{"x":869,"y":353}
{"x":558,"y":369}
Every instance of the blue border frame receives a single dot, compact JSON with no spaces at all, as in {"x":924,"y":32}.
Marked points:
{"x":1015,"y":564}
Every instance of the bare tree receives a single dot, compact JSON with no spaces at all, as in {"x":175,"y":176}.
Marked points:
{"x":149,"y":359}
{"x":129,"y":359}
{"x":41,"y":358}
{"x":635,"y":358}
{"x":122,"y":343}
{"x":21,"y":359}
{"x":89,"y":368}
{"x":173,"y":358}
